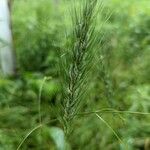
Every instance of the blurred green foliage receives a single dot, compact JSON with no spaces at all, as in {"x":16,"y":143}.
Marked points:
{"x":39,"y":29}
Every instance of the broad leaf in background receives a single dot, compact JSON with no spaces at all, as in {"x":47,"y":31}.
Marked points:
{"x":58,"y":136}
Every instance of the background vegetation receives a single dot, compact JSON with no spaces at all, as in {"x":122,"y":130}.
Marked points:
{"x":121,"y":82}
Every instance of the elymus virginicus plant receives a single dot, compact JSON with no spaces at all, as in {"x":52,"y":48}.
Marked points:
{"x":77,"y":61}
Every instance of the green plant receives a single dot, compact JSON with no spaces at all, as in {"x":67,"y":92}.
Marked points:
{"x":123,"y":67}
{"x":76,"y":62}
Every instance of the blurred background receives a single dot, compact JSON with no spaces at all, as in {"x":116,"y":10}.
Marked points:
{"x":38,"y":30}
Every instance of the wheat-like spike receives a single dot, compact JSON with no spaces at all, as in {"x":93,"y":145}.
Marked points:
{"x":77,"y":60}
